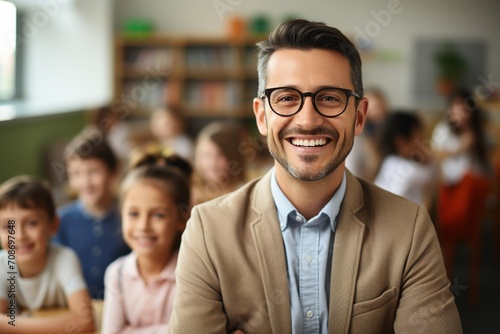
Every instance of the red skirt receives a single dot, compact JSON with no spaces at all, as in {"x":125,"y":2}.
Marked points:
{"x":461,"y":206}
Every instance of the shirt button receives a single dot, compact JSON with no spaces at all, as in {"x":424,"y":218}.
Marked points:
{"x":95,"y":270}
{"x":309,"y":258}
{"x":96,"y":251}
{"x":94,"y":289}
{"x":310,"y":314}
{"x":97,"y":231}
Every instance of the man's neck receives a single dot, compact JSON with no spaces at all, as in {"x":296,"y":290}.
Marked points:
{"x":309,"y":197}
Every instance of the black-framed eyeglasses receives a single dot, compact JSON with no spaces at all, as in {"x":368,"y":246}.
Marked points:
{"x":328,"y":102}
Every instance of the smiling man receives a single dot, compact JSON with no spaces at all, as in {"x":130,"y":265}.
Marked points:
{"x":309,"y":248}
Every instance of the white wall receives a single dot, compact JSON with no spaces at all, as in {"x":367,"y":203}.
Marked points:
{"x":412,"y":20}
{"x":67,"y":47}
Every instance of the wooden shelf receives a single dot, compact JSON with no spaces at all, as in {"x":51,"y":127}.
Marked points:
{"x":205,"y":76}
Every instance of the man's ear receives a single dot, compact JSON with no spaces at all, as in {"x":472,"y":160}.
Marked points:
{"x":361,"y":112}
{"x":260,"y":115}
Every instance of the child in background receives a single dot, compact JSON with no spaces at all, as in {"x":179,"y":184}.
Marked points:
{"x":364,"y":159}
{"x":219,"y":166}
{"x":140,"y":287}
{"x":34,"y":273}
{"x":117,"y":132}
{"x":91,"y":224}
{"x":168,"y":128}
{"x":407,"y":168}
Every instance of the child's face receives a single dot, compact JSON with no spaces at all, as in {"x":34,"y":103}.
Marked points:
{"x":210,"y":162}
{"x":151,"y":221}
{"x":32,"y":232}
{"x":458,"y":113}
{"x":165,"y":126}
{"x":91,"y":179}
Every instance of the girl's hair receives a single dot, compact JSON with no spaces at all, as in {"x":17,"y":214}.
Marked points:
{"x":169,"y":172}
{"x":475,"y":120}
{"x":399,"y":123}
{"x":27,"y":192}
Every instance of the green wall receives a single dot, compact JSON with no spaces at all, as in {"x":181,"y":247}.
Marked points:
{"x":24,"y":141}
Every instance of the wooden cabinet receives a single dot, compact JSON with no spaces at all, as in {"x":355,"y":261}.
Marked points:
{"x":204,"y":77}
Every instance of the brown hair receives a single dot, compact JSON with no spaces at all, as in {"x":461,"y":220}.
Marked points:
{"x":227,"y":138}
{"x":305,"y":35}
{"x":27,"y":192}
{"x":91,"y":143}
{"x":475,"y":118}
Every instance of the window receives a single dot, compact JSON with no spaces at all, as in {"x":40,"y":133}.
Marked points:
{"x":7,"y":51}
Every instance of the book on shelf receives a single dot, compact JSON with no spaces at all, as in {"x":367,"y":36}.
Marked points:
{"x":149,"y":97}
{"x":209,"y":59}
{"x":213,"y":95}
{"x":151,"y":60}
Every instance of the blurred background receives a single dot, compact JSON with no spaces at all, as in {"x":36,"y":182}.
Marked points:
{"x":61,"y":60}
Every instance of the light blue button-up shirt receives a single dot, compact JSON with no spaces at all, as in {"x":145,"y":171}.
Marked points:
{"x":309,"y":249}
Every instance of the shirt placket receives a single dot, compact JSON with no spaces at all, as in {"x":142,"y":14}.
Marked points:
{"x":309,"y":275}
{"x":96,"y":251}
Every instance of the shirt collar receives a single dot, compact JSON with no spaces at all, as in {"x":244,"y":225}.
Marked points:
{"x":131,"y":270}
{"x":285,"y":208}
{"x":111,"y":210}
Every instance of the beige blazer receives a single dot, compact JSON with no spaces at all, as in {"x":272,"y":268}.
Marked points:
{"x":387,"y":270}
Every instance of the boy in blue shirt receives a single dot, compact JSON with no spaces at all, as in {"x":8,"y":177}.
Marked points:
{"x":91,"y":224}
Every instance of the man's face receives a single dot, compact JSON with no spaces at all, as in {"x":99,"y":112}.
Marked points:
{"x":309,"y":71}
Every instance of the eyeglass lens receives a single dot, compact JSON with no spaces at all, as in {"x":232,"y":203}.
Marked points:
{"x":328,"y":101}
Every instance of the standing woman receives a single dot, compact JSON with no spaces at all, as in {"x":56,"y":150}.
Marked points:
{"x":461,"y":150}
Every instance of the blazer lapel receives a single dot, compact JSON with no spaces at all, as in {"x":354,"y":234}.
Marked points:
{"x":346,"y":256}
{"x":271,"y":256}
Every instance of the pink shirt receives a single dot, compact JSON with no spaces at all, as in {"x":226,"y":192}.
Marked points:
{"x":131,"y":306}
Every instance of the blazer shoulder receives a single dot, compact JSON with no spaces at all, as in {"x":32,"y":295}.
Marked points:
{"x":382,"y":207}
{"x":235,"y":202}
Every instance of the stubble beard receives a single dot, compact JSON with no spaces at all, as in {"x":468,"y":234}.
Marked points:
{"x":305,"y":174}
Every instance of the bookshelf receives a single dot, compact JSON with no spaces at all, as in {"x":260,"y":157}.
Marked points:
{"x":212,"y":77}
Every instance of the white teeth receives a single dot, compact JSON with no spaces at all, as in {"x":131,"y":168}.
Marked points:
{"x":308,"y":142}
{"x":144,"y":238}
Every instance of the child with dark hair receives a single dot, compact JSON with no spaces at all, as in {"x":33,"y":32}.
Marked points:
{"x":91,"y":224}
{"x":140,"y":287}
{"x":407,"y":168}
{"x":35,"y":274}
